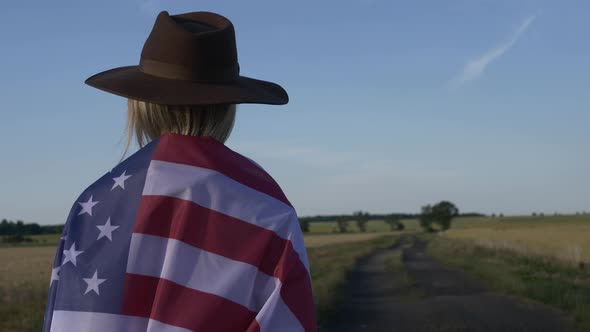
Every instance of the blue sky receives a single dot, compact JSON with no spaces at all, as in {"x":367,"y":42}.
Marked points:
{"x":394,"y":104}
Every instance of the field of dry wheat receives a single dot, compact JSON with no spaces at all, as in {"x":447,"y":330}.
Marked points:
{"x":566,"y":240}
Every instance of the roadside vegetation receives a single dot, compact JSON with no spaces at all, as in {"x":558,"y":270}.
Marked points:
{"x":330,"y":265}
{"x":400,"y":278}
{"x":544,"y":279}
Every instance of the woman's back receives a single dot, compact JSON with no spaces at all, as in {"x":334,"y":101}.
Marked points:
{"x":185,"y":233}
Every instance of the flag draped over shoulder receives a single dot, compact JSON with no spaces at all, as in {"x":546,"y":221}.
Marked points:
{"x":184,"y":235}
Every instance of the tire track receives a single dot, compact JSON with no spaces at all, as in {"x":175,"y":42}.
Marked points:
{"x":447,"y":300}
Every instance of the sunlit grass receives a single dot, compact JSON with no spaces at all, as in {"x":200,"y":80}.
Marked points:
{"x":544,"y":279}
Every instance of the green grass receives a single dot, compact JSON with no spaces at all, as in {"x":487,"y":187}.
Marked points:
{"x":544,"y":280}
{"x":400,"y":277}
{"x":23,"y":309}
{"x":330,"y":265}
{"x":37,"y":240}
{"x":328,"y":227}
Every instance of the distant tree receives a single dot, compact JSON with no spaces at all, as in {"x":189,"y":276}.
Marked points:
{"x":441,"y":213}
{"x":19,"y":228}
{"x":9,"y":227}
{"x":426,"y":218}
{"x":362,"y":218}
{"x":501,"y":215}
{"x":444,"y":212}
{"x":394,"y":222}
{"x":304,"y":224}
{"x":52,"y":229}
{"x":541,"y":214}
{"x":534,"y":214}
{"x":6,"y":227}
{"x":493,"y":215}
{"x":342,"y":224}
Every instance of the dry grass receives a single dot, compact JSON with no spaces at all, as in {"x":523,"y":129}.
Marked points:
{"x":24,"y":280}
{"x":568,"y":241}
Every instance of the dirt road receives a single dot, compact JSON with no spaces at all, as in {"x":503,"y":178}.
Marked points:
{"x":435,"y":299}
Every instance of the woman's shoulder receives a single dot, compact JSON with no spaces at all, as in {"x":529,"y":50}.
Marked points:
{"x":206,"y":153}
{"x":195,"y":169}
{"x":219,"y":179}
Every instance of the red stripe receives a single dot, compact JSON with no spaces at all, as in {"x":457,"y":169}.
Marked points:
{"x":173,"y":304}
{"x":296,"y":290}
{"x":235,"y":239}
{"x":206,"y":152}
{"x":209,"y":230}
{"x":254,"y":327}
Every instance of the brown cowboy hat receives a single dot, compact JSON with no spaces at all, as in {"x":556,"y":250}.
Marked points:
{"x":189,"y":59}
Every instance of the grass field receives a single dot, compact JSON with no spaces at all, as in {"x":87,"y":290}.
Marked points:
{"x":24,"y":279}
{"x":37,"y":240}
{"x":544,"y":279}
{"x":330,"y":264}
{"x":314,"y":241}
{"x":563,"y":238}
{"x":373,"y":226}
{"x":25,"y":269}
{"x":25,"y":272}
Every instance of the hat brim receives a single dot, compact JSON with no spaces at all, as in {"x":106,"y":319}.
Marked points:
{"x":132,"y":83}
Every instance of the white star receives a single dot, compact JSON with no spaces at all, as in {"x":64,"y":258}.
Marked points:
{"x":93,"y":283}
{"x":120,"y":181}
{"x":71,"y":254}
{"x":54,"y":275}
{"x":87,"y":207}
{"x":106,"y":230}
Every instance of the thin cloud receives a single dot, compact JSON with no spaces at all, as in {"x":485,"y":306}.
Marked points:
{"x":476,"y":67}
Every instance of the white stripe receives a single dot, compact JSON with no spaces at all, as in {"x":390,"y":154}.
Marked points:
{"x":157,"y":326}
{"x":276,"y":316}
{"x":76,"y":321}
{"x":199,"y":269}
{"x":220,"y":193}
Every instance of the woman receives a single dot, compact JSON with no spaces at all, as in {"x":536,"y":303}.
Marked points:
{"x":185,"y":234}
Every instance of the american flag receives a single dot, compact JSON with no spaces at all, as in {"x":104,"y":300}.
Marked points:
{"x":184,"y":235}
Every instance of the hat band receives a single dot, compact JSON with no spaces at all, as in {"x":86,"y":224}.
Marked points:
{"x":178,"y":72}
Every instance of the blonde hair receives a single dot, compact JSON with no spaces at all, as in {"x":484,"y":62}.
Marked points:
{"x":147,"y":121}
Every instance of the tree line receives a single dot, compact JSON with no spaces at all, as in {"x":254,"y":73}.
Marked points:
{"x":9,"y":227}
{"x":439,"y":214}
{"x":432,"y":218}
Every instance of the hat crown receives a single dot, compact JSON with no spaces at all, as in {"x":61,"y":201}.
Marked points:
{"x":198,"y":46}
{"x":189,"y":59}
